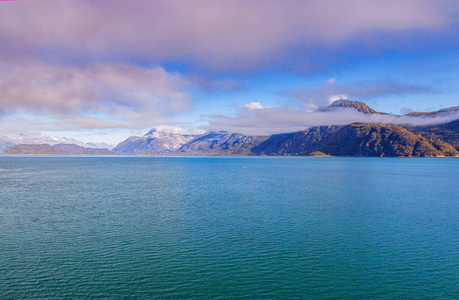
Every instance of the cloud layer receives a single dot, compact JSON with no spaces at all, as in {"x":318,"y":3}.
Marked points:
{"x":268,"y":121}
{"x":99,"y":96}
{"x":214,"y":34}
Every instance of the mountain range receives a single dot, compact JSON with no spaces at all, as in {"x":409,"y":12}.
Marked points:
{"x":356,"y":139}
{"x":8,"y":141}
{"x":59,"y":149}
{"x":437,"y":138}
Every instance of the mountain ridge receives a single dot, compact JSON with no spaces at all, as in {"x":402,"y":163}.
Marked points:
{"x":434,"y":113}
{"x":312,"y":139}
{"x":355,"y":139}
{"x":155,"y":142}
{"x":59,"y":149}
{"x":221,"y":143}
{"x":37,"y":138}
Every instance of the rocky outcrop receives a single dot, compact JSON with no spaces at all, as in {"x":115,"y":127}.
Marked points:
{"x":59,"y":149}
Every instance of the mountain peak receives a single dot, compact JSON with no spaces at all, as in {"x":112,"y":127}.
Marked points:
{"x":161,"y":139}
{"x":344,"y":103}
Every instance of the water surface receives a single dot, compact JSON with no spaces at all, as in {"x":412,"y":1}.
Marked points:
{"x":229,"y":227}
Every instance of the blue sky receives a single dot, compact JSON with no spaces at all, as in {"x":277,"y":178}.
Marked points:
{"x":100,"y":71}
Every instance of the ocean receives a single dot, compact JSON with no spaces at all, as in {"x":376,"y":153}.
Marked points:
{"x":205,"y":227}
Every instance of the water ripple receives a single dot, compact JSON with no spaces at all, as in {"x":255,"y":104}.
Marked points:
{"x":221,"y":228}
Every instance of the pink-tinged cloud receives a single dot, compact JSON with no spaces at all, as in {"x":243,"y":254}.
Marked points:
{"x":97,"y":96}
{"x":212,"y":33}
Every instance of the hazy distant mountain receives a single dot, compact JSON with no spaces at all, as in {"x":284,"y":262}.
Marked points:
{"x":99,"y":145}
{"x":357,"y":139}
{"x":8,"y":141}
{"x":344,"y":103}
{"x":438,"y":113}
{"x":5,"y":144}
{"x":221,"y":143}
{"x":156,"y":141}
{"x":59,"y":149}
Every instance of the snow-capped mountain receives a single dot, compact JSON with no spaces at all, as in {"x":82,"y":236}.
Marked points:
{"x":156,"y":141}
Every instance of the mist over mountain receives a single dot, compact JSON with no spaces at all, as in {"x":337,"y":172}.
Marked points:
{"x":344,"y":103}
{"x":412,"y":120}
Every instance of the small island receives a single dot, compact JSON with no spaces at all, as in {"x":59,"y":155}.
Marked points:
{"x":318,"y":154}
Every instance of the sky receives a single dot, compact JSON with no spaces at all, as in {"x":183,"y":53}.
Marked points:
{"x":100,"y":71}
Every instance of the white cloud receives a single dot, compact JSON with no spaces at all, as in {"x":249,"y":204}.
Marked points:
{"x":252,"y":106}
{"x":333,"y":98}
{"x":331,"y":81}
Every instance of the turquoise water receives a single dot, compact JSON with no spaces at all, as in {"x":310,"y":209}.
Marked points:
{"x":229,"y":227}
